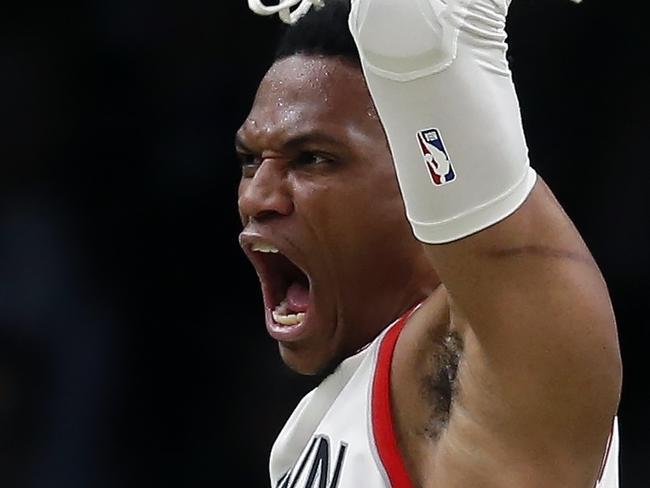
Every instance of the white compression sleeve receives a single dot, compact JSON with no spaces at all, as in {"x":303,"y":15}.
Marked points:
{"x":438,"y":75}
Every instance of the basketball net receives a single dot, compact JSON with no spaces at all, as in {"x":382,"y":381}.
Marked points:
{"x":283,"y":8}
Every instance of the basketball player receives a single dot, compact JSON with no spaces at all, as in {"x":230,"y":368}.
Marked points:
{"x":464,"y":331}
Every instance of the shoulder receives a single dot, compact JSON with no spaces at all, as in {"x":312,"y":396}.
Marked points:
{"x":458,"y":419}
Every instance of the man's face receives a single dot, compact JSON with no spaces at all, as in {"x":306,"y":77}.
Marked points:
{"x":324,"y":223}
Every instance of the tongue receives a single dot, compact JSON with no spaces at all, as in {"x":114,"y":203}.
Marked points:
{"x":298,"y":297}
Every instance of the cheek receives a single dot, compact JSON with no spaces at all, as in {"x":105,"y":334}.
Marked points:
{"x":327,"y":212}
{"x":377,"y":194}
{"x":346,"y":220}
{"x":353,"y":206}
{"x":335,"y":201}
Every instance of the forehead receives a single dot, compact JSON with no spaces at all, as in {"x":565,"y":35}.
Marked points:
{"x":310,"y":91}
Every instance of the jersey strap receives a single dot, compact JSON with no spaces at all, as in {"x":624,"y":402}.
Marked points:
{"x":382,"y":416}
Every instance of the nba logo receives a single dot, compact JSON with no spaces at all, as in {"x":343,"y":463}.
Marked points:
{"x":436,"y":157}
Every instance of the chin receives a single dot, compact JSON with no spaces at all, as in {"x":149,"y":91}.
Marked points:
{"x":308,"y":363}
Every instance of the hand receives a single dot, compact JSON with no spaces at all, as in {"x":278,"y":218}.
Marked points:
{"x":407,"y":39}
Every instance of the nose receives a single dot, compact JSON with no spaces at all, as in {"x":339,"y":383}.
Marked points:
{"x":266,"y":194}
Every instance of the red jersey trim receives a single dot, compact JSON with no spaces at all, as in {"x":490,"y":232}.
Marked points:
{"x":381,"y":411}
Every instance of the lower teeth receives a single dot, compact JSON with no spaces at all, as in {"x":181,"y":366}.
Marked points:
{"x":281,"y":316}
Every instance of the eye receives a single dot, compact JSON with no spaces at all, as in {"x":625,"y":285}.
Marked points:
{"x":248,"y":162}
{"x":311,"y":159}
{"x":246,"y":159}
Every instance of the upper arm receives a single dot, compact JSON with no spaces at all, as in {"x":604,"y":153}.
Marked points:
{"x":541,"y":371}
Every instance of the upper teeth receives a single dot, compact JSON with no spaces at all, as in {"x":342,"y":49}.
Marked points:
{"x":264,"y":247}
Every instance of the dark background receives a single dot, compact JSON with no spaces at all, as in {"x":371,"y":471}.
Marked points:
{"x":132,"y":345}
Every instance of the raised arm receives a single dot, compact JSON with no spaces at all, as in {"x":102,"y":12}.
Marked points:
{"x":540,"y":380}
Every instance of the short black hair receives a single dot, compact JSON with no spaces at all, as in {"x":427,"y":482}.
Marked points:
{"x":321,"y":32}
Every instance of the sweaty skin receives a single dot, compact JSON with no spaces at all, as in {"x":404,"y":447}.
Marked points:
{"x":530,"y":321}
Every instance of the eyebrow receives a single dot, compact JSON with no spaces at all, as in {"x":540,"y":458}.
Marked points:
{"x":295,"y":141}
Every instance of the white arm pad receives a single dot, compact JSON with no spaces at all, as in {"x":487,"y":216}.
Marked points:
{"x":439,"y":78}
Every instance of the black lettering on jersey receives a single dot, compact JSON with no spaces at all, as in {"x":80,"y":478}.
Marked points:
{"x":285,"y":480}
{"x":317,"y":459}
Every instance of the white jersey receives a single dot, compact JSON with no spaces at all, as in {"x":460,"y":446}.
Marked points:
{"x":341,"y":434}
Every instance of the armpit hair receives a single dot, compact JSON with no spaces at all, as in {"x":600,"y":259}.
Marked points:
{"x":439,"y":386}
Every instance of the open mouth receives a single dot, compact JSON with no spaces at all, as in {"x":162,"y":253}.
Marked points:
{"x":285,"y":286}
